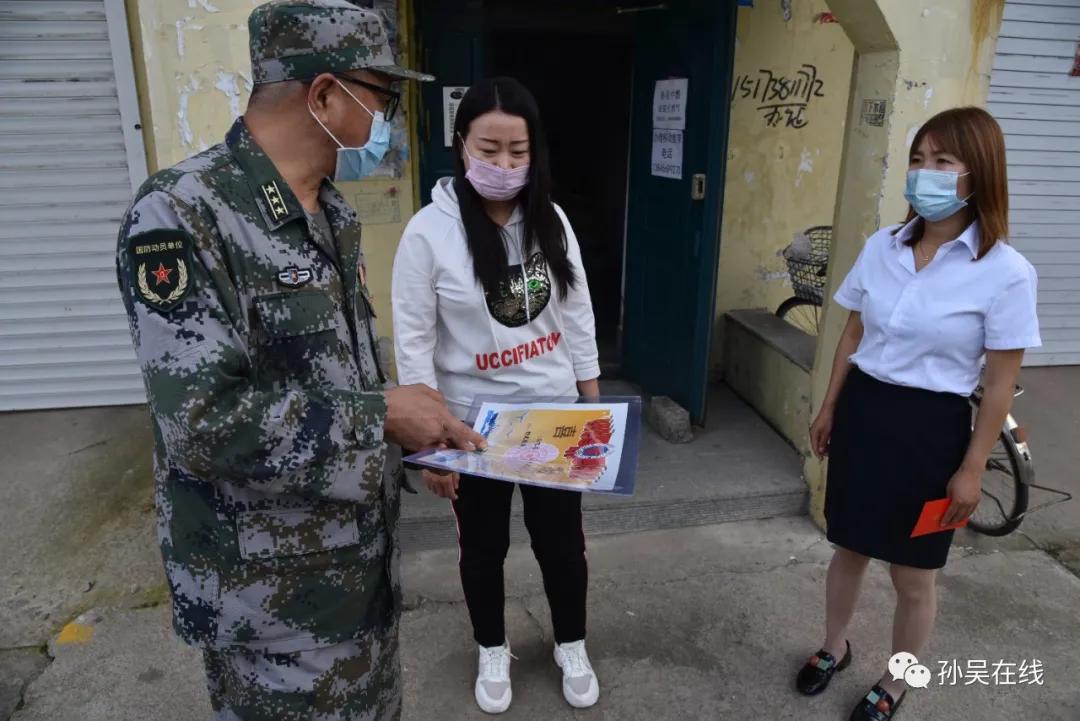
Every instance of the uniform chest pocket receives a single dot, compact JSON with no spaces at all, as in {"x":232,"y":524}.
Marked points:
{"x":296,"y":313}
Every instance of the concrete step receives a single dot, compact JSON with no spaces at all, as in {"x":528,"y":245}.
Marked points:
{"x":737,"y":468}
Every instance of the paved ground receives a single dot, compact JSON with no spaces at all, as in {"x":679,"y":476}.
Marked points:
{"x":688,"y":624}
{"x":1050,"y":410}
{"x":76,"y":528}
{"x":701,"y":623}
{"x":76,"y":501}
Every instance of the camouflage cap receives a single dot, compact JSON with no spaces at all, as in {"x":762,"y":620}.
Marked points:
{"x":298,"y":39}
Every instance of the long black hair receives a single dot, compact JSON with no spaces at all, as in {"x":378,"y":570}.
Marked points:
{"x":543,"y":228}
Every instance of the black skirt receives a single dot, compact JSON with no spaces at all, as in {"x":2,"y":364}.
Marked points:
{"x":893,"y":448}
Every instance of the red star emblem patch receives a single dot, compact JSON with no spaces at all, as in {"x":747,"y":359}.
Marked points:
{"x":160,"y":265}
{"x":161,"y":275}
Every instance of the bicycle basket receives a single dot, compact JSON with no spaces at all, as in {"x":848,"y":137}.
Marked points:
{"x":807,"y":271}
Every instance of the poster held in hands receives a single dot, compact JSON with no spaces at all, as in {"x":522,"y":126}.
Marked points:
{"x":576,"y":445}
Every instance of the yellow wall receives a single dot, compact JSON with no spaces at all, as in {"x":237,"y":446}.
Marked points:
{"x":920,"y":58}
{"x":780,"y":179}
{"x":194,"y":77}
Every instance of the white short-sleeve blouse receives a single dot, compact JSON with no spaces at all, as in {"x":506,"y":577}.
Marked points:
{"x":930,"y":329}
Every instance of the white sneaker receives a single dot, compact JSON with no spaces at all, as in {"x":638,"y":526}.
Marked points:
{"x":493,"y":692}
{"x":579,"y":684}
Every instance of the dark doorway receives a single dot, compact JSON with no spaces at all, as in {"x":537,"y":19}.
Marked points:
{"x":577,"y":59}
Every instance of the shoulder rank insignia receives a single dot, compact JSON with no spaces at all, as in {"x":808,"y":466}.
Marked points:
{"x":293,"y":277}
{"x":160,"y":262}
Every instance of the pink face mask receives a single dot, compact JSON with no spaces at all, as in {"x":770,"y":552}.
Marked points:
{"x":493,"y":182}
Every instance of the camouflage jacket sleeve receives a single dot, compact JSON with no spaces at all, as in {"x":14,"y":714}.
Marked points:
{"x":212,"y":415}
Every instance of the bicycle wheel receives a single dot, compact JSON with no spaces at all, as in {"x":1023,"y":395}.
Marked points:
{"x":802,"y":313}
{"x":1004,"y":492}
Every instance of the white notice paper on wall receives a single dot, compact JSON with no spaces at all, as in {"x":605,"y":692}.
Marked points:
{"x":667,"y":153}
{"x":669,"y":104}
{"x":451,"y":99}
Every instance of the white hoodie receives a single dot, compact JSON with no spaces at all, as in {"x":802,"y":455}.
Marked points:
{"x":446,"y":336}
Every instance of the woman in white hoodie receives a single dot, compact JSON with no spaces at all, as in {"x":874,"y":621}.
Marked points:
{"x":490,"y":299}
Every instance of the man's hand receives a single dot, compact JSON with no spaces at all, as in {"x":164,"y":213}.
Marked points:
{"x":417,"y":418}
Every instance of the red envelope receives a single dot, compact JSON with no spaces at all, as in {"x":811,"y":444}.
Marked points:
{"x":930,"y":518}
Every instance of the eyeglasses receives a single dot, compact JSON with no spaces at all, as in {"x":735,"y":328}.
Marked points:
{"x":393,"y":97}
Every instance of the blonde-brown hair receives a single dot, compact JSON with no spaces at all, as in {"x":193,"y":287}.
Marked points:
{"x":975,"y":138}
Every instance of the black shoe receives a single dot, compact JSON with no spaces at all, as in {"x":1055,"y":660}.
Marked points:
{"x":878,"y":705}
{"x":819,"y":670}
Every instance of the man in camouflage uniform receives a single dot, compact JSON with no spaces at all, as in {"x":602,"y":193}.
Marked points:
{"x":276,"y":443}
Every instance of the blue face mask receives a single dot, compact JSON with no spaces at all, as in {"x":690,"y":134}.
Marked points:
{"x":932,"y":193}
{"x":358,"y":163}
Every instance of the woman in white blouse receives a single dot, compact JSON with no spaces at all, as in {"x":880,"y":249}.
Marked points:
{"x":929,"y":300}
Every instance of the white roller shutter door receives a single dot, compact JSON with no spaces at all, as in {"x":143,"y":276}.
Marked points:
{"x":66,"y":176}
{"x":1037,"y":102}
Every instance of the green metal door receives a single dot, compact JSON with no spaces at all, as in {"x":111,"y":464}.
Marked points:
{"x":673,"y":229}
